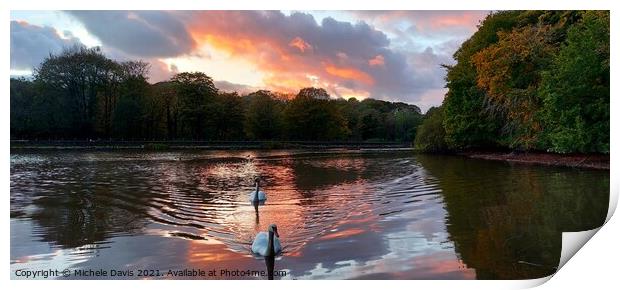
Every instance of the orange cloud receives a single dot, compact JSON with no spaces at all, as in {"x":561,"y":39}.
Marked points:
{"x":350,"y":74}
{"x":283,"y":50}
{"x":277,"y":57}
{"x":300,"y":44}
{"x":377,"y":61}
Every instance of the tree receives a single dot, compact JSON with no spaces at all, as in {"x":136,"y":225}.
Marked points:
{"x":431,"y":134}
{"x":130,"y":113}
{"x":509,"y":72}
{"x":370,"y":124}
{"x":311,"y":116}
{"x":263,"y":120}
{"x":466,"y":122}
{"x":406,"y":122}
{"x":228,"y":116}
{"x":196,"y":92}
{"x":75,"y":77}
{"x":314,"y":93}
{"x":575,"y":90}
{"x":165,"y":95}
{"x":23,"y":98}
{"x":531,"y":80}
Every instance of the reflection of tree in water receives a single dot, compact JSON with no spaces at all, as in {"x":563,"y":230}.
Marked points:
{"x":506,"y":221}
{"x":91,"y":202}
{"x":313,"y":175}
{"x":317,"y":174}
{"x":270,"y":265}
{"x":87,"y":205}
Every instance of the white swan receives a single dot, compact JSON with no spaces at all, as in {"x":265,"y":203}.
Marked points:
{"x":267,"y":243}
{"x":257,"y":195}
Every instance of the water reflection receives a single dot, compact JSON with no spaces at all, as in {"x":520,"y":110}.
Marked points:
{"x":340,"y":215}
{"x":506,"y":221}
{"x":270,"y":264}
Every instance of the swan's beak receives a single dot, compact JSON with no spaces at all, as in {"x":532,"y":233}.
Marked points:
{"x":276,"y":233}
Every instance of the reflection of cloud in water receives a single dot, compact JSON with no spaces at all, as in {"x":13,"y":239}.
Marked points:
{"x":39,"y":256}
{"x":339,"y":215}
{"x":397,"y":249}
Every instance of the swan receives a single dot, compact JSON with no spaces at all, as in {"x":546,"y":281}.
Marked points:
{"x":267,"y":243}
{"x":257,"y":195}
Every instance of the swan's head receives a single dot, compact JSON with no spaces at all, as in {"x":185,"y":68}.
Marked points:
{"x":274,"y":229}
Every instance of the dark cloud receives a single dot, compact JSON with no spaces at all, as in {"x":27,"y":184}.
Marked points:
{"x":138,"y":33}
{"x":30,"y":44}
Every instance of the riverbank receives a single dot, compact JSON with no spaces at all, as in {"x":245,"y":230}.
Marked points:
{"x":203,"y":145}
{"x":593,"y":161}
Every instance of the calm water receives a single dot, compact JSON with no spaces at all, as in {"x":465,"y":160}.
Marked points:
{"x":340,"y":215}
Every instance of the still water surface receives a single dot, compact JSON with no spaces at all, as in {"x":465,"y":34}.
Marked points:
{"x":340,"y":215}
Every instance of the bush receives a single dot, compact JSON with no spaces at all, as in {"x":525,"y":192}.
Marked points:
{"x":431,"y":134}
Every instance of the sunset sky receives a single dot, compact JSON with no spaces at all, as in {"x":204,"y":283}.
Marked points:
{"x":389,"y":55}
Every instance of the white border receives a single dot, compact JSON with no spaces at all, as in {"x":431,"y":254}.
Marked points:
{"x":595,"y":264}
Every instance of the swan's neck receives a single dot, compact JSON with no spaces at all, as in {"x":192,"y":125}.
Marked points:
{"x":256,"y":192}
{"x":270,"y":248}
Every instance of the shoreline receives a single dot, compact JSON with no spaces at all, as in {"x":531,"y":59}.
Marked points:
{"x":575,"y":160}
{"x":202,"y":145}
{"x":590,"y":161}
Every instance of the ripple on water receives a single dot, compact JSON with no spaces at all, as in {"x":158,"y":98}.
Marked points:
{"x":206,"y":197}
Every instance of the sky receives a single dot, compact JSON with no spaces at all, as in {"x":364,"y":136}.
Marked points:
{"x":387,"y":55}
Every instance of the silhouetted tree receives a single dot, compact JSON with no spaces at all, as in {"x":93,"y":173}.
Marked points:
{"x":196,"y":97}
{"x":263,"y":120}
{"x":311,"y":116}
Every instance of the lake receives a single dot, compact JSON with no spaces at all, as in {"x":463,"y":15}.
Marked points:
{"x":340,"y":214}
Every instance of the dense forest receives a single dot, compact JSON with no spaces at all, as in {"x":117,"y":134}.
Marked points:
{"x":527,"y":80}
{"x":82,"y":94}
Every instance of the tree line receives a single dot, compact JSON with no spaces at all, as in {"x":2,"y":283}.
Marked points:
{"x":81,"y":94}
{"x":527,"y":80}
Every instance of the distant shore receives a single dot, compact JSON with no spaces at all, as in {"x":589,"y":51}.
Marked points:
{"x":593,"y":161}
{"x":206,"y":145}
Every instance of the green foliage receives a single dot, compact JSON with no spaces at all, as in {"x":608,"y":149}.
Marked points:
{"x":196,"y":94}
{"x":23,"y":105}
{"x":406,"y":122}
{"x":164,"y":108}
{"x":310,"y":116}
{"x":228,"y":116}
{"x":380,"y":120}
{"x":465,"y":122}
{"x":576,"y":88}
{"x":509,"y":72}
{"x":431,"y":134}
{"x":128,"y":114}
{"x":264,"y":117}
{"x":532,"y":80}
{"x":82,"y":94}
{"x":74,"y":78}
